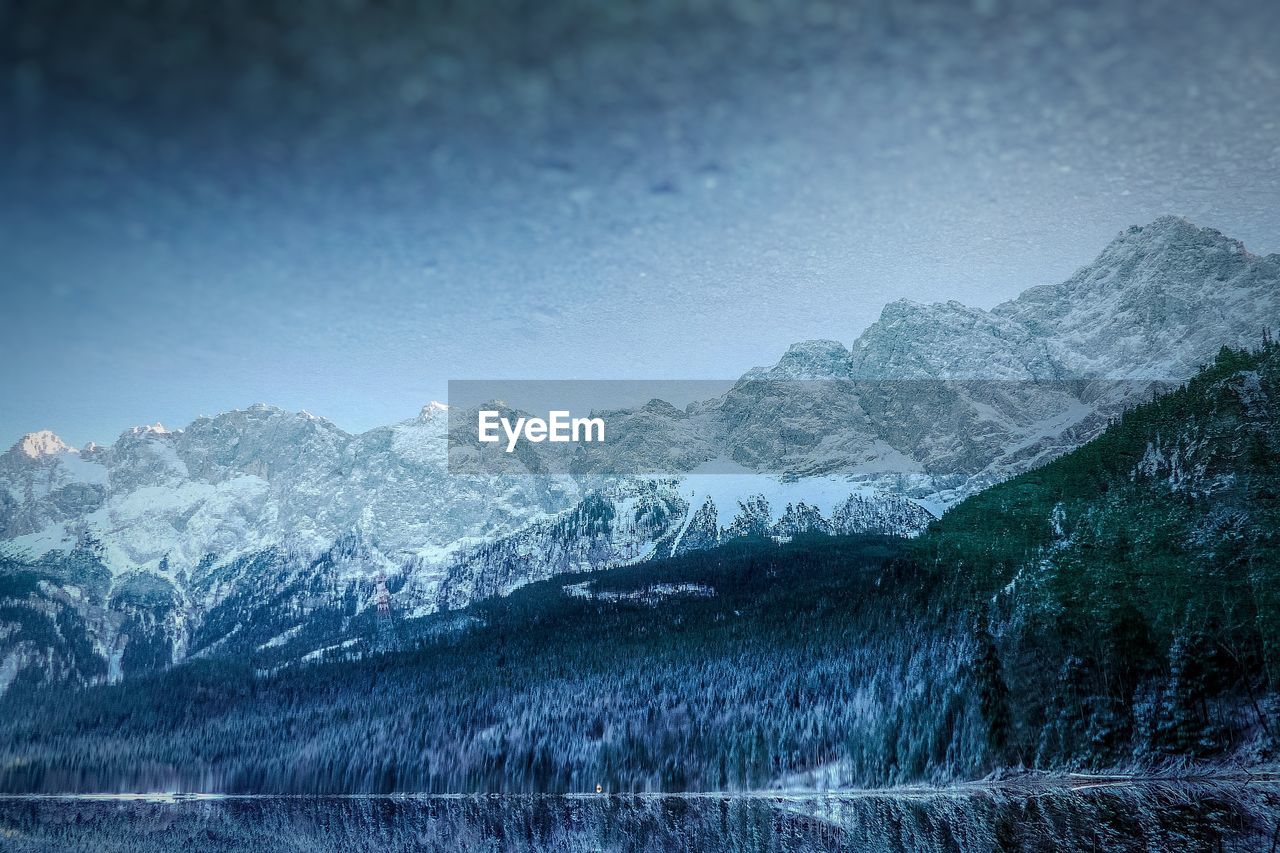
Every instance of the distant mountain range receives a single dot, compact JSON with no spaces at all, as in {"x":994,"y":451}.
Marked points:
{"x":257,"y":533}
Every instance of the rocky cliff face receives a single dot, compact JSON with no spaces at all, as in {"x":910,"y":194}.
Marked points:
{"x":258,"y":531}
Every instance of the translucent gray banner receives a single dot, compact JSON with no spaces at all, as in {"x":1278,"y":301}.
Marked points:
{"x":780,"y":426}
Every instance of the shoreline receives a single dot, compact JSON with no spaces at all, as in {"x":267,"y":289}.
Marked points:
{"x":1029,"y":785}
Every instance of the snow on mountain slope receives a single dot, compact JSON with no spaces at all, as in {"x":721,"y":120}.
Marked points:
{"x":248,"y":479}
{"x":1157,"y":303}
{"x":237,"y":529}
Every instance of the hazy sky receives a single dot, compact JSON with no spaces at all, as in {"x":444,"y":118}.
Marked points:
{"x":339,"y":209}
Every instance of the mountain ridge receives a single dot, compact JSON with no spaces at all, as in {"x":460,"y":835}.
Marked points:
{"x":257,"y":497}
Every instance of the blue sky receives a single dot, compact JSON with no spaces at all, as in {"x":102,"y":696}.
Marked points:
{"x":342,"y":209}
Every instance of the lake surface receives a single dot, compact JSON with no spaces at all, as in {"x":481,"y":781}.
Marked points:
{"x":1237,"y":816}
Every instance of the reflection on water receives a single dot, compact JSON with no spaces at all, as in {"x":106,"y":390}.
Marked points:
{"x":1147,"y":817}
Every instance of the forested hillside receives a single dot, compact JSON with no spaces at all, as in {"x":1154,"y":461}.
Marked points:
{"x":1134,"y":585}
{"x":804,"y":654}
{"x":1119,"y":607}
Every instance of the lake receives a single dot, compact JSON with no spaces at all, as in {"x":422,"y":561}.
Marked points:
{"x":1220,"y":816}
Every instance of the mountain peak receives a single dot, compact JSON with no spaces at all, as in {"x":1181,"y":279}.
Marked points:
{"x":433,"y":410}
{"x":820,"y":347}
{"x":1167,"y":224}
{"x":1175,"y":233}
{"x":39,"y":444}
{"x":815,"y":359}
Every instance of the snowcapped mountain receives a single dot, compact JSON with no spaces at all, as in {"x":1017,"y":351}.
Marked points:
{"x":1157,"y":303}
{"x":257,"y":532}
{"x":245,"y":480}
